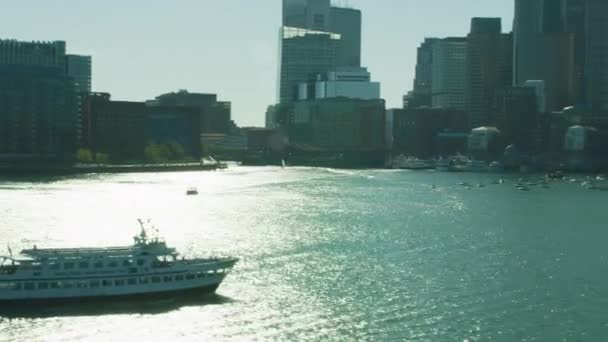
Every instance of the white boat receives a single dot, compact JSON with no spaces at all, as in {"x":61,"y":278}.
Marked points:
{"x":496,"y":167}
{"x":148,"y":268}
{"x":477,"y":166}
{"x":192,"y":191}
{"x":410,"y":163}
{"x":442,"y":165}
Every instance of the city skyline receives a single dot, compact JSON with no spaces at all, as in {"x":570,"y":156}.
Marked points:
{"x":240,"y":62}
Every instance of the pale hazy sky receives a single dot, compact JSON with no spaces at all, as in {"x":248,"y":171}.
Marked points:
{"x":142,"y":48}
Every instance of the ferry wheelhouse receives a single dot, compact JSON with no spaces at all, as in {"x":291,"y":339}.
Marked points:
{"x":147,"y":268}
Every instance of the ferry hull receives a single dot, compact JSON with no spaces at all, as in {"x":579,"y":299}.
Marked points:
{"x":166,"y":294}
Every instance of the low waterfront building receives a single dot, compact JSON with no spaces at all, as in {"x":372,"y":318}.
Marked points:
{"x":175,"y":125}
{"x":116,"y":128}
{"x":422,"y":132}
{"x":215,"y":115}
{"x":350,"y":131}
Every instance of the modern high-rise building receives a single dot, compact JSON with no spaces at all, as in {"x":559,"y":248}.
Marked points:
{"x":353,"y":83}
{"x":303,"y":55}
{"x":573,"y":17}
{"x":38,"y":101}
{"x":307,"y":14}
{"x":347,"y":23}
{"x":543,"y":51}
{"x":40,"y":54}
{"x":596,"y":66}
{"x":449,"y":73}
{"x":421,"y":95}
{"x":315,"y":39}
{"x":79,"y":69}
{"x":488,"y":71}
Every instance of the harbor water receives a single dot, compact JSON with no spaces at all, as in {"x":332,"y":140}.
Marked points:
{"x":331,"y":255}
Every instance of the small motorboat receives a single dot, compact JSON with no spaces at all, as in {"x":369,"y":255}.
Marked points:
{"x":192,"y":192}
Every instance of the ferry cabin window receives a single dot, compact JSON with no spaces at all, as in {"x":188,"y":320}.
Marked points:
{"x":143,"y":280}
{"x":28,"y":286}
{"x":82,"y":284}
{"x":167,"y":279}
{"x":190,"y":276}
{"x":43,"y":286}
{"x":94,"y":283}
{"x":54,"y":266}
{"x":83,"y":264}
{"x":140,"y":262}
{"x":54,"y":284}
{"x":119,"y":282}
{"x":98,"y":264}
{"x":179,"y":277}
{"x":127,"y":263}
{"x":113,"y":264}
{"x":156,"y":279}
{"x":106,"y":283}
{"x":67,"y":284}
{"x":68,"y":265}
{"x":132,"y":281}
{"x":4,"y":286}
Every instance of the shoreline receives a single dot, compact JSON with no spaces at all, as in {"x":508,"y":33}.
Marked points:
{"x":67,"y":170}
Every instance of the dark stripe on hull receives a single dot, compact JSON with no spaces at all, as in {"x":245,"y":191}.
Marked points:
{"x":171,"y":294}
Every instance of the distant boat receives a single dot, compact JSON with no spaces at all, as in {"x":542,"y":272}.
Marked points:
{"x":496,"y":167}
{"x":192,"y":192}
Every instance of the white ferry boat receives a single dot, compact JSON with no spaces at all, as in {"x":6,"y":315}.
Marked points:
{"x":148,"y":268}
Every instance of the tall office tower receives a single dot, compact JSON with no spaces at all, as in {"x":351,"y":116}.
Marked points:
{"x":42,"y":54}
{"x":421,"y":95}
{"x":347,"y":23}
{"x":542,"y":52}
{"x":551,"y":16}
{"x":488,"y":71}
{"x":79,"y":69}
{"x":449,"y":73}
{"x":38,"y":101}
{"x":596,"y":68}
{"x":303,"y":55}
{"x":307,"y":14}
{"x":573,"y":18}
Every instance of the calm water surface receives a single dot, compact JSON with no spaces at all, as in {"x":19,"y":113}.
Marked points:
{"x":332,"y":255}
